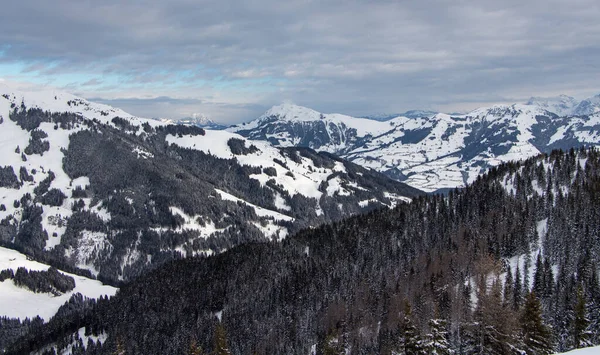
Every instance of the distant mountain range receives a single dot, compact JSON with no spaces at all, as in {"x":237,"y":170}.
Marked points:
{"x":410,"y":114}
{"x":196,"y":119}
{"x":564,"y":105}
{"x":435,"y":151}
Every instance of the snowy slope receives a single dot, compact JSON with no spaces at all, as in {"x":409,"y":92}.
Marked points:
{"x":19,"y":302}
{"x":305,"y":180}
{"x":154,"y":191}
{"x":585,"y":351}
{"x":436,"y":152}
{"x":58,"y":101}
{"x":409,"y":114}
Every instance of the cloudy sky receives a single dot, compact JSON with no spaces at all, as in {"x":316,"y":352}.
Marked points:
{"x":233,"y":60}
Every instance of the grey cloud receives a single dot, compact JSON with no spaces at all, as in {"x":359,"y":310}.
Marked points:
{"x":350,"y":56}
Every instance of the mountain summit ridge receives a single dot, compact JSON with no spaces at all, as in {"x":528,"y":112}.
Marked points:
{"x":434,"y":152}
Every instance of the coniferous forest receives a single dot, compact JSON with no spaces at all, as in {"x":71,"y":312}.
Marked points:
{"x":507,"y":265}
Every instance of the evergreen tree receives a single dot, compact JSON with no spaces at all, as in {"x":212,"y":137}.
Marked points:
{"x":509,"y":288}
{"x":539,"y":281}
{"x":526,"y":281}
{"x":494,"y":329}
{"x":410,"y":340}
{"x":517,"y":292}
{"x":220,"y":341}
{"x":331,"y":346}
{"x":195,"y":349}
{"x":536,"y":335}
{"x":436,"y":342}
{"x":549,"y":280}
{"x":581,"y":333}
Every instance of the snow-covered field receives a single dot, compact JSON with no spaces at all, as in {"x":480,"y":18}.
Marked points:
{"x":586,"y":351}
{"x":19,"y":302}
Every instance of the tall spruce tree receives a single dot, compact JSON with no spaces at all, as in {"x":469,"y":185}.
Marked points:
{"x":220,"y":341}
{"x":517,"y":293}
{"x":410,"y":339}
{"x":581,"y":322}
{"x":536,"y":335}
{"x":436,"y":341}
{"x":509,"y":288}
{"x":539,"y":280}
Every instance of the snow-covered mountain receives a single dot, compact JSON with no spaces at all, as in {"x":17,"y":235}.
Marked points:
{"x":202,"y":121}
{"x":196,"y":119}
{"x":93,"y":187}
{"x":409,"y":114}
{"x":561,"y":105}
{"x":564,"y":105}
{"x":588,"y":106}
{"x":429,"y":153}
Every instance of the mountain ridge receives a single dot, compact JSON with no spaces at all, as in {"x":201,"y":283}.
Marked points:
{"x":430,"y":153}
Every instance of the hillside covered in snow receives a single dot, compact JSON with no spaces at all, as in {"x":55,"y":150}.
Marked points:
{"x":92,"y":187}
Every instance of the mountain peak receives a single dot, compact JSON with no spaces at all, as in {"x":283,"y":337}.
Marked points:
{"x":289,"y":111}
{"x":200,"y":120}
{"x":588,"y":106}
{"x":561,"y":105}
{"x":196,"y":119}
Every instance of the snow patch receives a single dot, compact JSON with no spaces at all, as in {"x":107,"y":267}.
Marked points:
{"x":17,"y":302}
{"x":261,"y":212}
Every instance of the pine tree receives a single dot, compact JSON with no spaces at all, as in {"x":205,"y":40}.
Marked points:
{"x":494,"y":323}
{"x":436,"y":342}
{"x":526,"y":266}
{"x":536,"y":335}
{"x":220,"y":341}
{"x":120,"y":350}
{"x":331,"y":346}
{"x":518,"y":290}
{"x":195,"y":349}
{"x":594,"y":307}
{"x":509,"y":287}
{"x":539,"y":281}
{"x":549,"y":279}
{"x":410,"y":341}
{"x":581,"y":333}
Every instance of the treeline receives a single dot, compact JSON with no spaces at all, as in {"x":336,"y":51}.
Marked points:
{"x":45,"y":281}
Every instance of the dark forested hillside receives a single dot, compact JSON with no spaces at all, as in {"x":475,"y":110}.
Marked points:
{"x":507,"y":265}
